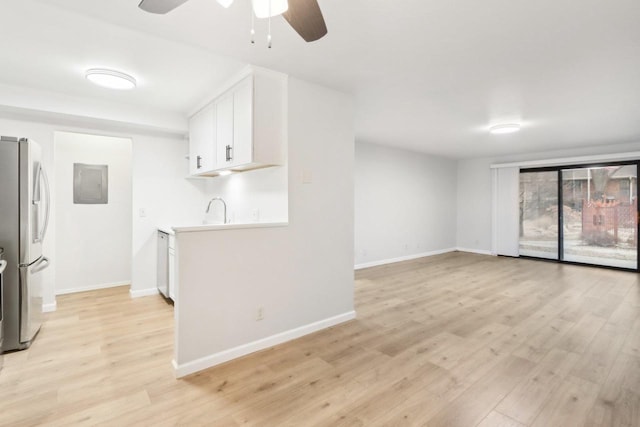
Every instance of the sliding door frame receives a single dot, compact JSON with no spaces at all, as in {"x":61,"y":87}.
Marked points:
{"x":559,"y":169}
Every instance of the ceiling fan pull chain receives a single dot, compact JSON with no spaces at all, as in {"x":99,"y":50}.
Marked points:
{"x":253,"y":28}
{"x":269,"y":35}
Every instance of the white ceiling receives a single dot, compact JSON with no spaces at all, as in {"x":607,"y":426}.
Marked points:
{"x":427,"y":75}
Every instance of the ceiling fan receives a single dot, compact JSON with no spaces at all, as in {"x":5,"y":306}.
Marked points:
{"x":304,"y":16}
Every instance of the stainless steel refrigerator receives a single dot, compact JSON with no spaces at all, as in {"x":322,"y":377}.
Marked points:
{"x":24,"y":216}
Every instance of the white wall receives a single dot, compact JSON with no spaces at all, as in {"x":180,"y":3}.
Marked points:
{"x":167,"y":198}
{"x":405,"y":204}
{"x":301,"y":274}
{"x":473,"y":219}
{"x":93,"y":241}
{"x":254,"y":196}
{"x":474,"y":191}
{"x":158,"y":166}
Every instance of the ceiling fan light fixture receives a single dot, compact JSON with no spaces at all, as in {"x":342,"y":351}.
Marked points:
{"x":225,"y":3}
{"x":505,"y":128}
{"x":111,"y":79}
{"x":269,"y":8}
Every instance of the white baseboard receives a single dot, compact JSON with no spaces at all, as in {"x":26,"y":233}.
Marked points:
{"x":143,"y":292}
{"x":474,"y":251}
{"x":402,"y":258}
{"x":47,"y":308}
{"x":261,"y":344}
{"x":91,"y":288}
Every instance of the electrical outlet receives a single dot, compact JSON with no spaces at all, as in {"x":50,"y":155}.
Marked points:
{"x":260,"y":314}
{"x":142,"y":213}
{"x":255,"y":215}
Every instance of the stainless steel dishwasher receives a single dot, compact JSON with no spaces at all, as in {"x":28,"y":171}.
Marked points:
{"x":163,"y":263}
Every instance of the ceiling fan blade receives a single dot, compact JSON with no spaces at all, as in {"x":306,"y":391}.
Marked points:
{"x":306,"y":18}
{"x":160,"y":6}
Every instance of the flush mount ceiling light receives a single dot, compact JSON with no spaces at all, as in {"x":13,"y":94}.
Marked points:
{"x":504,"y":128}
{"x":110,"y":79}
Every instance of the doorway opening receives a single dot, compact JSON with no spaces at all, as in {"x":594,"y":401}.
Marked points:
{"x":93,"y":207}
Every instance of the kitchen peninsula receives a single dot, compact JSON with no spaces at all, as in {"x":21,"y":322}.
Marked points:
{"x":245,"y":287}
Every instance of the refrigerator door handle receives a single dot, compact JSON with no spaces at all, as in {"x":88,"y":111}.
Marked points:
{"x":47,"y":198}
{"x":36,"y":202}
{"x":42,"y":182}
{"x":40,"y":265}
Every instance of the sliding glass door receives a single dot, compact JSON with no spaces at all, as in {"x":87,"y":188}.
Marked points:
{"x":599,"y":215}
{"x":539,"y":214}
{"x":584,"y":214}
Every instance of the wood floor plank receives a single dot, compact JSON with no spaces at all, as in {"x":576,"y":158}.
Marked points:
{"x":475,"y":404}
{"x":414,"y":411}
{"x":524,"y":402}
{"x":496,"y":419}
{"x":569,"y":405}
{"x":597,"y":361}
{"x":582,"y":333}
{"x":537,"y":346}
{"x":625,"y":374}
{"x":448,"y":356}
{"x":632,"y":345}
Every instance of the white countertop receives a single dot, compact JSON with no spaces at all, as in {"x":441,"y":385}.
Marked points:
{"x":166,"y":229}
{"x":211,"y":227}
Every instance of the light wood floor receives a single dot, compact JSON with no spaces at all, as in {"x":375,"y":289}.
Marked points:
{"x":452,"y":340}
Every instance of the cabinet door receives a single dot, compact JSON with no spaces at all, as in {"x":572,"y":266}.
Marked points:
{"x":243,"y":122}
{"x":224,"y":131}
{"x":202,"y":141}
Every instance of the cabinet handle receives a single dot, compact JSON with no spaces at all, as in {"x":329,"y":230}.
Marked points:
{"x":229,"y":156}
{"x":199,"y":162}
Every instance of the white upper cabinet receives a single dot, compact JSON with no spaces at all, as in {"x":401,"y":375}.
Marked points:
{"x":224,"y":131}
{"x":244,"y":128}
{"x":242,"y":152}
{"x":202,"y":141}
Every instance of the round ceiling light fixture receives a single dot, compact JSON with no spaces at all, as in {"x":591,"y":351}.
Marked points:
{"x":505,"y":128}
{"x":110,"y":79}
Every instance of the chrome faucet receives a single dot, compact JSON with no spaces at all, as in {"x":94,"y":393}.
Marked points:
{"x":223,"y":203}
